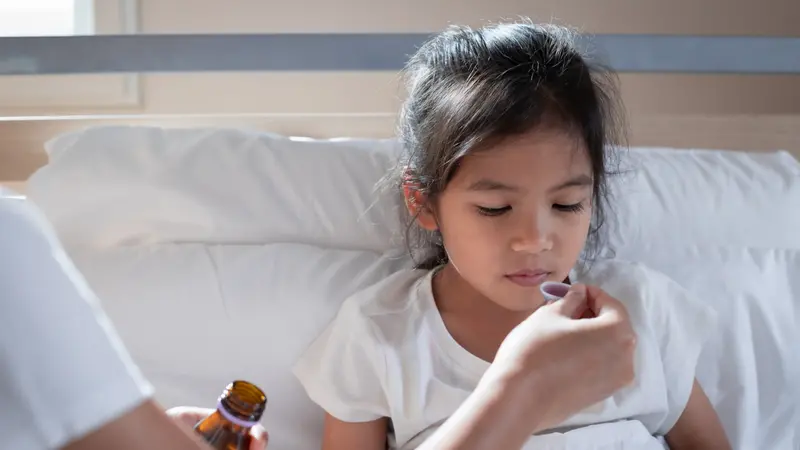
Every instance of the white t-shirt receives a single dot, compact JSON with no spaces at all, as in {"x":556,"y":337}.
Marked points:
{"x":63,"y":369}
{"x":389,"y":354}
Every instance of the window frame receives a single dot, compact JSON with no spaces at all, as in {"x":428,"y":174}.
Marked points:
{"x":53,"y":94}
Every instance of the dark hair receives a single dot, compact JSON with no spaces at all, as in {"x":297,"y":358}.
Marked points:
{"x":468,"y":88}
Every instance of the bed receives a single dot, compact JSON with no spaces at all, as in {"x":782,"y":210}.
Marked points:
{"x":220,"y":250}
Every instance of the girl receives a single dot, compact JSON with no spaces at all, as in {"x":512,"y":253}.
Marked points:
{"x":506,"y":130}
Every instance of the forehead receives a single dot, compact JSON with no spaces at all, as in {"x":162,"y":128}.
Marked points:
{"x":533,"y":158}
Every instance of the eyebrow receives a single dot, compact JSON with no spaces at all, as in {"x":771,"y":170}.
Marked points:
{"x":492,"y":185}
{"x":577,"y":181}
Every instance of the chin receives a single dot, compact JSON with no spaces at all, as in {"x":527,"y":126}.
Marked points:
{"x":521,"y":304}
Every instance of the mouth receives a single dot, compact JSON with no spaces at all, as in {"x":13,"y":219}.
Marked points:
{"x":529,"y":278}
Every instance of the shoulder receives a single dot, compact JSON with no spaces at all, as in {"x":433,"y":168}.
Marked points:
{"x":654,"y":300}
{"x":32,"y":256}
{"x":345,"y":370}
{"x":20,"y":218}
{"x":672,"y":322}
{"x":385,"y":308}
{"x":26,"y":231}
{"x":614,"y":272}
{"x":373,"y":321}
{"x":388,"y":294}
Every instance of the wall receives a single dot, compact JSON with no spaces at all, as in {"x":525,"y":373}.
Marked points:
{"x":677,"y":98}
{"x":379,"y":92}
{"x":644,"y":94}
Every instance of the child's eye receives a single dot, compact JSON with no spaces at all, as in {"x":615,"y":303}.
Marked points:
{"x":493,"y":211}
{"x":574,"y":208}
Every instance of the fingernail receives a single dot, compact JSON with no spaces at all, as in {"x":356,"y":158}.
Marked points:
{"x":553,"y":291}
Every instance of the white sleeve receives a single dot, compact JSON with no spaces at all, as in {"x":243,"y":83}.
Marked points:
{"x":682,"y":324}
{"x":344,"y":369}
{"x":64,"y":371}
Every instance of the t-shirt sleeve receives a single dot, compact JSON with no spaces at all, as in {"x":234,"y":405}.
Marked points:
{"x":344,"y":369}
{"x":682,"y":324}
{"x":64,"y":370}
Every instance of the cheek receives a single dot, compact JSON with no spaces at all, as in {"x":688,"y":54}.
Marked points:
{"x":586,"y":220}
{"x":465,"y":230}
{"x":574,"y":231}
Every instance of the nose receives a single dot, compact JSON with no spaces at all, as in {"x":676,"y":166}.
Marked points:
{"x":532,"y":235}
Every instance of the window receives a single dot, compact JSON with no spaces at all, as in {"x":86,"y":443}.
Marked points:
{"x":53,"y":94}
{"x":46,"y":17}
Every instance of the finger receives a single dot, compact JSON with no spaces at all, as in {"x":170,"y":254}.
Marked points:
{"x":188,"y":416}
{"x":189,"y":410}
{"x":260,"y":438}
{"x":605,"y":307}
{"x":574,"y":303}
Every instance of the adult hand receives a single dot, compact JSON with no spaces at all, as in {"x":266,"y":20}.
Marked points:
{"x":567,"y":356}
{"x":189,"y":416}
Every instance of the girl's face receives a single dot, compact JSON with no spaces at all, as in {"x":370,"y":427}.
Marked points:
{"x":516,"y":215}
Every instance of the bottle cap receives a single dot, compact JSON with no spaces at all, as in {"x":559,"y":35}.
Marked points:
{"x":553,"y":290}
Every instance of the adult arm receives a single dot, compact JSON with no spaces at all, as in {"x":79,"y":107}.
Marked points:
{"x":68,"y":382}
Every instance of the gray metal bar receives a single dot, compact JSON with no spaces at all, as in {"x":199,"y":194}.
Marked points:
{"x":701,"y":54}
{"x":338,"y":52}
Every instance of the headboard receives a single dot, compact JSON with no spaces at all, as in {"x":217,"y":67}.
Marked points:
{"x":690,"y":77}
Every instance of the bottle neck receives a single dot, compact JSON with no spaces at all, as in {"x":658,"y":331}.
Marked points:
{"x":242,"y":404}
{"x":234,"y":418}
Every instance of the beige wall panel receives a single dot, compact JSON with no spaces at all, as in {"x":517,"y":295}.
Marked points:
{"x":751,"y":17}
{"x":371,"y":92}
{"x":276,"y":92}
{"x":711,"y":94}
{"x":360,"y":92}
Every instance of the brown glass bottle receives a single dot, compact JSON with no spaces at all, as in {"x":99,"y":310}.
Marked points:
{"x":239,"y":408}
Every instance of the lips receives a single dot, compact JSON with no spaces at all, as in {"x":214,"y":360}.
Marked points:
{"x":529,"y":278}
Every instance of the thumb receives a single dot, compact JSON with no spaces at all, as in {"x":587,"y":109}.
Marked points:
{"x":603,"y":305}
{"x":188,"y":415}
{"x":574,"y":303}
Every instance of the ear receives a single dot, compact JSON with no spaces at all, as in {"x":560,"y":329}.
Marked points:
{"x":418,"y":205}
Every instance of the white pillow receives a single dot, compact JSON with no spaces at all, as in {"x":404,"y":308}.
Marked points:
{"x":109,"y":186}
{"x":723,"y":224}
{"x":714,"y":198}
